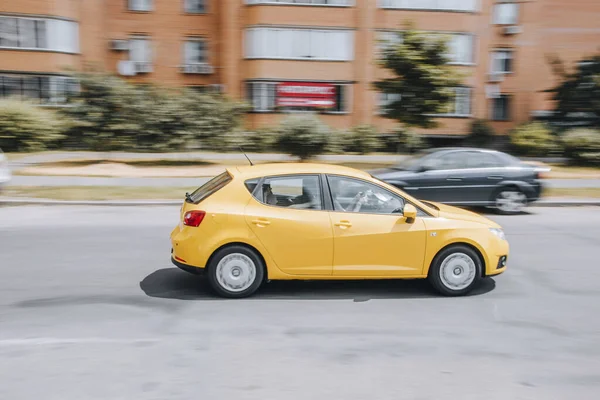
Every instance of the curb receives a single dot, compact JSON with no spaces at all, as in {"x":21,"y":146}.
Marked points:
{"x":33,"y":201}
{"x":50,"y":202}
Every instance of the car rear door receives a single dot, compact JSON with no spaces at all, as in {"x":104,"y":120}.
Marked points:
{"x":287,"y":215}
{"x":484,"y":170}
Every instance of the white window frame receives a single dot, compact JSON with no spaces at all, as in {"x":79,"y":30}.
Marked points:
{"x":55,"y":35}
{"x":508,"y":110}
{"x":140,"y":5}
{"x":391,"y":37}
{"x":187,"y":4}
{"x":148,"y":48}
{"x":329,"y":3}
{"x":57,"y":89}
{"x":429,"y":5}
{"x":496,"y":58}
{"x":261,"y":42}
{"x":204,"y":50}
{"x":497,"y":19}
{"x":465,"y":89}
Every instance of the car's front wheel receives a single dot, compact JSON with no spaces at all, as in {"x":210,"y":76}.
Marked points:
{"x":455,"y":271}
{"x":235,"y":272}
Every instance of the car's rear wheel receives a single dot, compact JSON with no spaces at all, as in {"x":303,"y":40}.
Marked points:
{"x":455,"y":271}
{"x":235,"y":272}
{"x":510,"y":201}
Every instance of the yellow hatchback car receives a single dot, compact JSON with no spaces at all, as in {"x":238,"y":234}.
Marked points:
{"x":267,"y":222}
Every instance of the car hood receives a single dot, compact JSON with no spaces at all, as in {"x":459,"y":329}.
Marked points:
{"x":450,"y":212}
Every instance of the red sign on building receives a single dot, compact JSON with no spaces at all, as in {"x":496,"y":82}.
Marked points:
{"x":305,"y":94}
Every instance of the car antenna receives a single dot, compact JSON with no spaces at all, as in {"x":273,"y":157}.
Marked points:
{"x":244,"y":153}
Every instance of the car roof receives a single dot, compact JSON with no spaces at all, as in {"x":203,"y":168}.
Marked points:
{"x":260,"y":170}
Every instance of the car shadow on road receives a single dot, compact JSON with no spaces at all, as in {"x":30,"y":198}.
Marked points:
{"x":172,"y":283}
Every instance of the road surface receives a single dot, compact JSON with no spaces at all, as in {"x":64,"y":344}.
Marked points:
{"x":90,"y":308}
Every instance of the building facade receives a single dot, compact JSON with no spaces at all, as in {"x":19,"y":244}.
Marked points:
{"x":295,"y":55}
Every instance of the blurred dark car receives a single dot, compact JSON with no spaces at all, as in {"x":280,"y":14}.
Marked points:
{"x":468,"y":177}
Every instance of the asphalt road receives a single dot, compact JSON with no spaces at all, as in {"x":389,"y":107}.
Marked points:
{"x":90,"y":308}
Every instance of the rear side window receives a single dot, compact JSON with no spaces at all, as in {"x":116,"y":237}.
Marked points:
{"x":251,"y":184}
{"x":210,"y":187}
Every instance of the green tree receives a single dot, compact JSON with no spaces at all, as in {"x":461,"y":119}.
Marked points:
{"x":421,"y":76}
{"x":111,"y":114}
{"x":534,"y":139}
{"x":27,"y":127}
{"x":303,"y":136}
{"x":577,"y":96}
{"x":362,"y":139}
{"x":482,"y":134}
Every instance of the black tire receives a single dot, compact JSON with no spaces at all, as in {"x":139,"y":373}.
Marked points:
{"x":499,"y":195}
{"x":212,"y":271}
{"x":440,"y":284}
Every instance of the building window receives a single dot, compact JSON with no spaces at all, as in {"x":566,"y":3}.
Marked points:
{"x":139,"y":49}
{"x":303,"y":44}
{"x":195,"y":6}
{"x":140,"y":5}
{"x":460,"y":45}
{"x":39,"y":34}
{"x":263,"y":97}
{"x":506,"y":13}
{"x":502,"y":62}
{"x":384,"y":100}
{"x":460,"y":105}
{"x":304,"y":2}
{"x":438,"y":5}
{"x":50,"y":90}
{"x":501,"y":108}
{"x":195,"y":51}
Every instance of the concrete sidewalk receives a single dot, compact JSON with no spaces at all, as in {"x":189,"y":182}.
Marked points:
{"x":39,"y":180}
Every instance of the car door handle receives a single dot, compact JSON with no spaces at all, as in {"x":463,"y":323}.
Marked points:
{"x":344,"y":224}
{"x":454,"y":179}
{"x":260,"y":222}
{"x":495,"y":177}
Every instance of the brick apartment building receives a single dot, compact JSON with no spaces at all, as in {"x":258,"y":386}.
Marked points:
{"x":296,"y":54}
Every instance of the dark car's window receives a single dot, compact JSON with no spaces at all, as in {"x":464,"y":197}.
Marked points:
{"x":353,"y":195}
{"x":301,"y":192}
{"x":210,"y":187}
{"x":481,"y":159}
{"x":454,"y":160}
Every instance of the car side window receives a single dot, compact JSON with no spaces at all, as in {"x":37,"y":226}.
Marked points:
{"x":353,"y":195}
{"x":454,"y":160}
{"x":480,"y":159}
{"x":301,"y":192}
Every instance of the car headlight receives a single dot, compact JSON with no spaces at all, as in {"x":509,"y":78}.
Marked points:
{"x":498,"y":232}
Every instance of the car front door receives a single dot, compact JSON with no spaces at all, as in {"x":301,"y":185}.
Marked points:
{"x":287,"y":215}
{"x":371,"y":237}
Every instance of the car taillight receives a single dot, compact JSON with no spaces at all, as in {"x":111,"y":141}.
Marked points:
{"x":193,"y":218}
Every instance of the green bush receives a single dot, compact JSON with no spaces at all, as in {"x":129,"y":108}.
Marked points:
{"x":534,"y":139}
{"x":582,"y":146}
{"x":27,"y":127}
{"x":362,"y":139}
{"x":481,"y":134}
{"x":408,"y":141}
{"x":303,"y":136}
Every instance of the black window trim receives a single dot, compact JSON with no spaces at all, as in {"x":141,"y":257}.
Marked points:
{"x":406,"y":201}
{"x":257,"y":193}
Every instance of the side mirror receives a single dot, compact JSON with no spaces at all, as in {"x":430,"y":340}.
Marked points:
{"x":410,"y":213}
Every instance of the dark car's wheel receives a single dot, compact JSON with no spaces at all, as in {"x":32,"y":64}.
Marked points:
{"x":510,"y":200}
{"x":455,"y":270}
{"x":235,"y":272}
